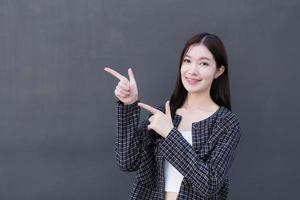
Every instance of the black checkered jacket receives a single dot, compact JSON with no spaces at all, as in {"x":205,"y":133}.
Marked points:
{"x":204,"y":164}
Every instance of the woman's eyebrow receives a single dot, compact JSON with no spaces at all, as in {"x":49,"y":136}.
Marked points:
{"x":203,"y":57}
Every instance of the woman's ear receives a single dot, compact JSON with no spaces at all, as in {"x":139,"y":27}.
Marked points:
{"x":219,"y":71}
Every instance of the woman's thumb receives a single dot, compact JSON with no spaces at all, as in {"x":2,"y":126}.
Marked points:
{"x":131,"y":76}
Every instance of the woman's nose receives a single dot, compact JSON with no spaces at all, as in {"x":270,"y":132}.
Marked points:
{"x":193,"y":69}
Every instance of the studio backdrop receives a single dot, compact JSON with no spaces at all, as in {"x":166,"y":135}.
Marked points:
{"x":57,"y":104}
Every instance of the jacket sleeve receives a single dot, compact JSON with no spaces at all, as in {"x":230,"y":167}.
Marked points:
{"x":205,"y":176}
{"x":128,"y":144}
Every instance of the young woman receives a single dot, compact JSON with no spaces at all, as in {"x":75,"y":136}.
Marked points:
{"x":184,"y":149}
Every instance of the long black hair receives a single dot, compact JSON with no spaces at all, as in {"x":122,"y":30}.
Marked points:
{"x":220,"y":90}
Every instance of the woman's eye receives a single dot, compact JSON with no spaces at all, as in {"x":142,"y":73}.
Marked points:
{"x":204,"y":63}
{"x":186,"y":60}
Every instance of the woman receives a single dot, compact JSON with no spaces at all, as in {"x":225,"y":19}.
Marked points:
{"x":183,"y":150}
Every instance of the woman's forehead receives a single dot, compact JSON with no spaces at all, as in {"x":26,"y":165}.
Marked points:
{"x":199,"y":51}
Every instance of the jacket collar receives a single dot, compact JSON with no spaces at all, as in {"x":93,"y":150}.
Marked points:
{"x":218,"y":114}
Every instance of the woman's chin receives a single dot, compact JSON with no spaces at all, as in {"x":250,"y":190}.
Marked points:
{"x":194,"y":89}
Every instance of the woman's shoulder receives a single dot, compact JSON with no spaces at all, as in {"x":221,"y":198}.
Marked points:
{"x":228,"y":117}
{"x":224,"y":115}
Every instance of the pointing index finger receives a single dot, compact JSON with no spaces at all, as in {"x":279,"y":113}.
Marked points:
{"x":115,"y":73}
{"x":149,"y":108}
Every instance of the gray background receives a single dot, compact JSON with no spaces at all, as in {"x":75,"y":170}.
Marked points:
{"x":57,"y":107}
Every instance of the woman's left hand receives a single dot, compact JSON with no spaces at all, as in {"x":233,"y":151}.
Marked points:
{"x":159,"y":121}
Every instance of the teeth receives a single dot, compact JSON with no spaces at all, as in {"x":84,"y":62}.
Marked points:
{"x":192,"y":79}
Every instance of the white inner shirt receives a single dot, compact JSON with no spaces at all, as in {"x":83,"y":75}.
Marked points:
{"x":173,"y":177}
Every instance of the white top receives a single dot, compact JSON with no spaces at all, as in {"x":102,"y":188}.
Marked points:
{"x":173,"y":177}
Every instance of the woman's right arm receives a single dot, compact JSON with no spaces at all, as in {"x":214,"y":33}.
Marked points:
{"x":129,"y":135}
{"x":128,"y":145}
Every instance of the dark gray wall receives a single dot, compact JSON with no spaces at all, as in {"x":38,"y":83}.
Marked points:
{"x":57,"y":107}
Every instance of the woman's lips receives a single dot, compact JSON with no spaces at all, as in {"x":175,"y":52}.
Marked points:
{"x":192,"y":81}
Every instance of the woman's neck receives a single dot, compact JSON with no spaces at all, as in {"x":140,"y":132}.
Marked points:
{"x":201,"y":102}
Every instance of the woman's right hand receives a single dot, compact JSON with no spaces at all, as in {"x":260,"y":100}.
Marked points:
{"x":126,"y":90}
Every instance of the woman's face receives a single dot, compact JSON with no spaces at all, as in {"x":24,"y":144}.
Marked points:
{"x":198,"y":69}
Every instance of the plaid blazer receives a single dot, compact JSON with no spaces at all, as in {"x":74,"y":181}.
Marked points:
{"x":204,"y":164}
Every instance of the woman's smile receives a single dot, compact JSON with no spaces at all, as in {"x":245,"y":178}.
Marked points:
{"x":192,"y":81}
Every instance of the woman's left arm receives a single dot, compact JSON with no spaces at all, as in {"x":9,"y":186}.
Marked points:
{"x":205,"y":176}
